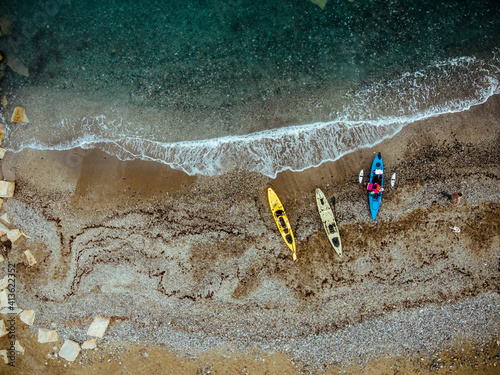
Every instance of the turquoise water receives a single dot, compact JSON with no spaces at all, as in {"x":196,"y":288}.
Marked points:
{"x":259,"y":85}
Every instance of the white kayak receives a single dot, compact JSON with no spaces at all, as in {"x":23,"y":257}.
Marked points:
{"x":328,"y":219}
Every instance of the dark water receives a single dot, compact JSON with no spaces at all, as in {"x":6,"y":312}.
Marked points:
{"x":348,"y":75}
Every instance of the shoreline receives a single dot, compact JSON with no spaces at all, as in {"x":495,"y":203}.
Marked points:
{"x":67,"y":118}
{"x":186,"y":262}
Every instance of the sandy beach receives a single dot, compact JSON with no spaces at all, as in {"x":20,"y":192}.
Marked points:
{"x":196,"y":278}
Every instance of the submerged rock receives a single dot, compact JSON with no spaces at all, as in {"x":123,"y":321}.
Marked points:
{"x":5,"y":25}
{"x":17,"y":66}
{"x":320,"y":3}
{"x":19,"y":115}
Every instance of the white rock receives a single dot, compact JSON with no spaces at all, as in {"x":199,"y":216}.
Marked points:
{"x":4,"y":300}
{"x":98,"y":326}
{"x":11,"y":310}
{"x":90,"y":344}
{"x":3,"y":354}
{"x":5,"y":217}
{"x":13,"y":235}
{"x":2,"y":259}
{"x":18,"y":347}
{"x":47,"y":335}
{"x":28,"y":317}
{"x":3,"y":329}
{"x":7,"y":189}
{"x":69,"y":350}
{"x":29,"y":256}
{"x":4,"y":283}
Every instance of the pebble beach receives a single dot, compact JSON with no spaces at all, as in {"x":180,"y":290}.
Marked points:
{"x":141,"y":139}
{"x":193,"y":269}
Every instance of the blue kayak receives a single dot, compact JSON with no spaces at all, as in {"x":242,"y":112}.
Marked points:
{"x":375,"y":199}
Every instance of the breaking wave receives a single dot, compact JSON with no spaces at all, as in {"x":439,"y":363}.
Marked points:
{"x":368,"y":116}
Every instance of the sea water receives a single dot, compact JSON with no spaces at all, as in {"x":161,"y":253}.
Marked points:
{"x":266,"y":86}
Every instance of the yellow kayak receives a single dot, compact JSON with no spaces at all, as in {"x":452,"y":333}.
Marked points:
{"x":282,"y":221}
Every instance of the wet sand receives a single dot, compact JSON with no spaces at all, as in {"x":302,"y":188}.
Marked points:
{"x":196,"y":279}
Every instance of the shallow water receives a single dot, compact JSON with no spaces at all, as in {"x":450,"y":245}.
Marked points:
{"x":207,"y":86}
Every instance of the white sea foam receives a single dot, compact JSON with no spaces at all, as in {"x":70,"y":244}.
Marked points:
{"x":369,"y":116}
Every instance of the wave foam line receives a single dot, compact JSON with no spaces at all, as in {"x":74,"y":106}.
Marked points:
{"x":297,"y":148}
{"x":269,"y":152}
